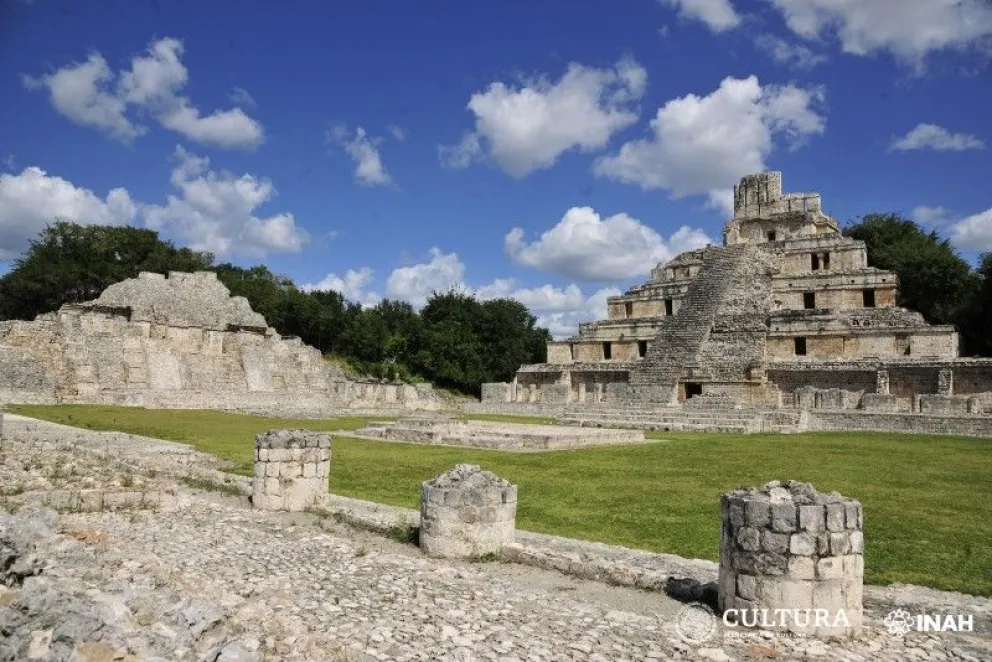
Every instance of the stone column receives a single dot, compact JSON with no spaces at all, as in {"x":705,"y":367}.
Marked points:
{"x":291,"y":469}
{"x":467,"y":513}
{"x":582,"y":392}
{"x":882,"y":382}
{"x":599,"y":392}
{"x":791,"y":558}
{"x":945,"y":382}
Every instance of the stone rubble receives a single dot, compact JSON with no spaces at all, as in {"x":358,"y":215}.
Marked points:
{"x":215,"y":580}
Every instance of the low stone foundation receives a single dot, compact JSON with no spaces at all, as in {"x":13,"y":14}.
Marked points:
{"x":467,"y":513}
{"x":791,"y":558}
{"x":291,"y":469}
{"x":443,"y":430}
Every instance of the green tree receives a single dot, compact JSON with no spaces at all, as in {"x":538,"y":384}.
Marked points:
{"x":72,"y":263}
{"x":978,"y":339}
{"x":933,"y":278}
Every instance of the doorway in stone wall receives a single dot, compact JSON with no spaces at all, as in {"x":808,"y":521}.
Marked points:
{"x":693,"y":388}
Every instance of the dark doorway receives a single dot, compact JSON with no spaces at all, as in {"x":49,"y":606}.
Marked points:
{"x":801,"y":346}
{"x":868,"y":298}
{"x":607,"y":351}
{"x":693,"y":388}
{"x":809,"y":300}
{"x":668,"y":306}
{"x":642,"y":348}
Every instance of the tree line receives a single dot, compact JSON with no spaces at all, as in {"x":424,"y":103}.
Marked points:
{"x":455,"y":341}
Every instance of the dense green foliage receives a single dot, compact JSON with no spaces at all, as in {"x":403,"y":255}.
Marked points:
{"x":933,"y":279}
{"x":456,"y":341}
{"x":663,"y":497}
{"x":70,"y":263}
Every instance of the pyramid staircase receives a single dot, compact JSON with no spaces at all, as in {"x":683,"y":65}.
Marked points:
{"x":678,"y":343}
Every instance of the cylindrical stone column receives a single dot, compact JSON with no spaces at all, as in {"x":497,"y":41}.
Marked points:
{"x":467,"y":513}
{"x":792,"y":559}
{"x":291,"y":469}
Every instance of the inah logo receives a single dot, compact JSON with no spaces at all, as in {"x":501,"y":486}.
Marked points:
{"x":899,"y":622}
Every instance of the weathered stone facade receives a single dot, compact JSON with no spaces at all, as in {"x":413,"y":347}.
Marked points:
{"x":178,"y":341}
{"x":786,"y":314}
{"x":791,"y":558}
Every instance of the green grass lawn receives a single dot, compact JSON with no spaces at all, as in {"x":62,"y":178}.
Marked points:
{"x":928,"y":499}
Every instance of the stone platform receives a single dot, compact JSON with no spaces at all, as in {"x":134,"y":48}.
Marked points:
{"x":445,"y":431}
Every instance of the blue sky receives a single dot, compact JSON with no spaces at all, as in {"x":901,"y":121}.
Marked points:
{"x":546,"y":150}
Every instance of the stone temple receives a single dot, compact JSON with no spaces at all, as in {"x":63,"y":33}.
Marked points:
{"x":787,"y":314}
{"x":180,"y":341}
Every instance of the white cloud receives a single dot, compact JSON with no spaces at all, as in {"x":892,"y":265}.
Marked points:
{"x":33,"y":199}
{"x":932,"y":136}
{"x":867,"y":26}
{"x":587,"y":247}
{"x":416,"y":283}
{"x":719,"y":15}
{"x":559,"y":309}
{"x":215,"y":211}
{"x":79,"y":92}
{"x":930,"y":215}
{"x":397,"y":132}
{"x":364,"y":151}
{"x":974,"y":232}
{"x":240,"y":97}
{"x":527,"y":128}
{"x":789,"y":54}
{"x":352,"y":286}
{"x":90,"y":94}
{"x":704,"y":144}
{"x":462,"y":154}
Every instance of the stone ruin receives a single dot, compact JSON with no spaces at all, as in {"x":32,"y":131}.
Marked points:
{"x":792,"y":558}
{"x":467,"y":513}
{"x":292,"y":468}
{"x":444,"y":430}
{"x":180,"y":341}
{"x":786,"y":315}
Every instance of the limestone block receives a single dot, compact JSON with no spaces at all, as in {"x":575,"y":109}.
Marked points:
{"x":291,"y":469}
{"x":467,"y":513}
{"x":791,"y":558}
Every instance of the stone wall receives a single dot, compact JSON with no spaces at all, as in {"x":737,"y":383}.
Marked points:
{"x":978,"y":425}
{"x":180,"y":341}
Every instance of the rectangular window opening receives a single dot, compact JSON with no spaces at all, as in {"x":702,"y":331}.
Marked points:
{"x":868,"y":298}
{"x":814,"y":261}
{"x":607,"y":351}
{"x":642,"y":348}
{"x":628,"y":308}
{"x":771,"y":235}
{"x":826,"y":260}
{"x":693,"y":389}
{"x":668,"y":306}
{"x":571,"y":350}
{"x":800,"y":346}
{"x":809,"y":300}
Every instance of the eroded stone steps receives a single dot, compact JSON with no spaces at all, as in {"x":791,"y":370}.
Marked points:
{"x":679,"y":342}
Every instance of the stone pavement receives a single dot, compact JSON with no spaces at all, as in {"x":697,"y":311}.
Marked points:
{"x":211,"y":579}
